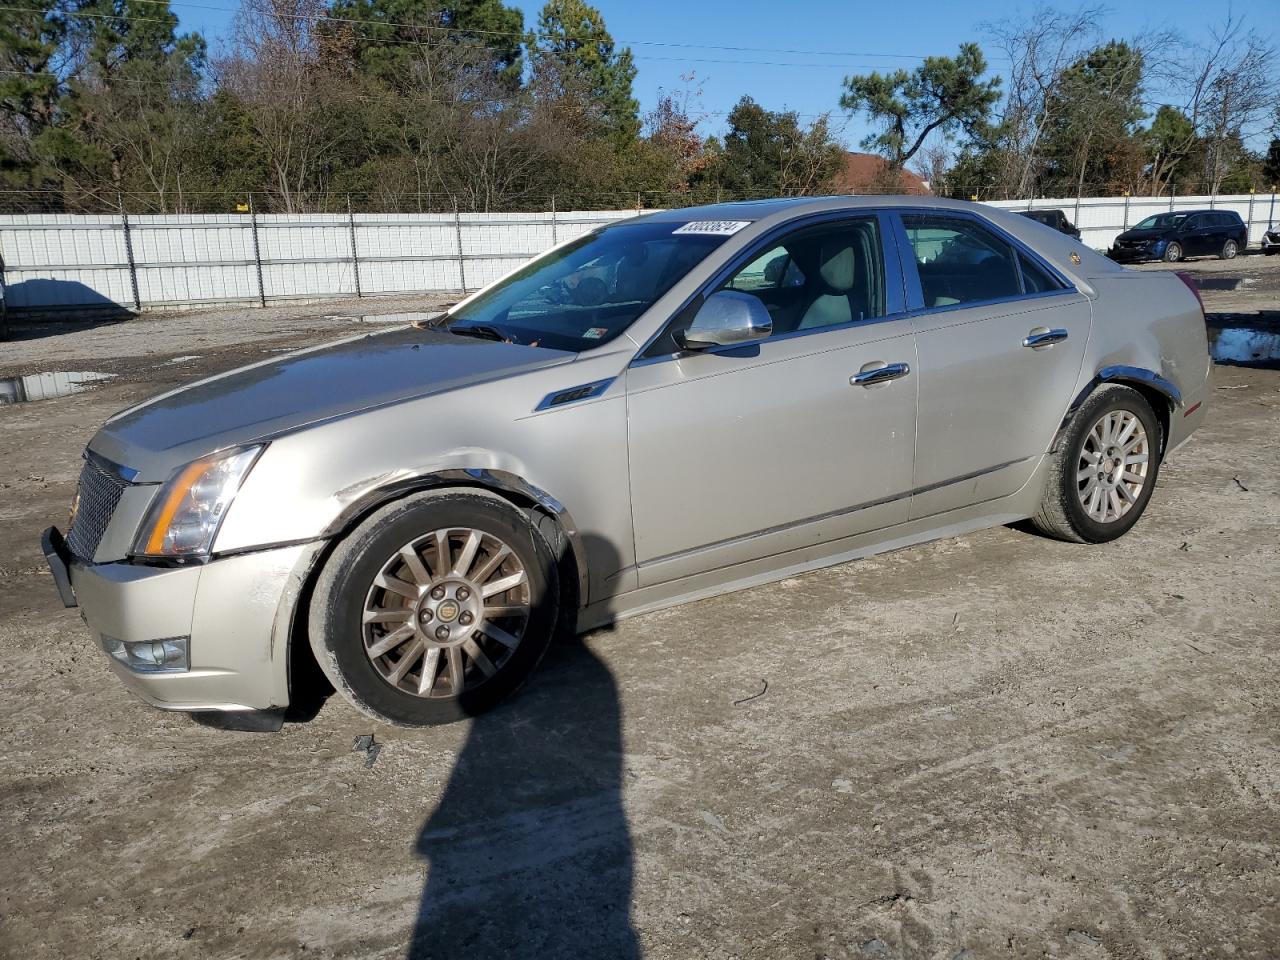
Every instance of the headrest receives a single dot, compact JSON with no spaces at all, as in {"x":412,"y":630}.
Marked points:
{"x":838,"y":265}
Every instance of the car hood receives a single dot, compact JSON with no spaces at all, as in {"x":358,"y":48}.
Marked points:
{"x":1154,"y":234}
{"x":284,"y":393}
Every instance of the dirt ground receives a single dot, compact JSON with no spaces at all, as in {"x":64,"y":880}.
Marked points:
{"x":992,"y":746}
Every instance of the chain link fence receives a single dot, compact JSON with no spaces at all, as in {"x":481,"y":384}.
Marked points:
{"x":57,"y":262}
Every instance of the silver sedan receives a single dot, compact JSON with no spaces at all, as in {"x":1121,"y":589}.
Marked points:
{"x":668,"y":408}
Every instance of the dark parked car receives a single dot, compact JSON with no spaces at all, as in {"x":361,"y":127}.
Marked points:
{"x":1175,"y":236}
{"x":1055,"y":219}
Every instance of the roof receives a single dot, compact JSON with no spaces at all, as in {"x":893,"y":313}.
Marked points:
{"x":868,"y":173}
{"x":755,"y":210}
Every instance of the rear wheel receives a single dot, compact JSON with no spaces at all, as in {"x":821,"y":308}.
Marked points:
{"x":1103,"y":472}
{"x":435,"y":608}
{"x":1173,"y":253}
{"x":1229,"y":250}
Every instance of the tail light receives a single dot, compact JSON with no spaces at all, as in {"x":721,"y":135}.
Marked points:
{"x":1190,"y":281}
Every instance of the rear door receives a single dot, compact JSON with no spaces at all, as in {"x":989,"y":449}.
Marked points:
{"x":1000,"y":337}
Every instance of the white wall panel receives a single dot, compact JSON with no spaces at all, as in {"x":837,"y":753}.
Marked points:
{"x":64,"y":261}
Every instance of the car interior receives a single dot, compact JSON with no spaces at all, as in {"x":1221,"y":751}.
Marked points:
{"x":819,"y":277}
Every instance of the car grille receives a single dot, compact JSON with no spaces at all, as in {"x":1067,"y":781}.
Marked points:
{"x":98,"y":497}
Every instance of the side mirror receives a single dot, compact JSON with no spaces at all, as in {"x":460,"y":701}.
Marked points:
{"x":725,"y":318}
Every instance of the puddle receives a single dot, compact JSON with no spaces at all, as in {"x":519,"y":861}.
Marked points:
{"x":1246,"y":347}
{"x":1219,"y":283}
{"x":46,"y":386}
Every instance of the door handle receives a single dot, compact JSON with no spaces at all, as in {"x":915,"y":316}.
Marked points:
{"x":1044,"y":337}
{"x":884,"y":373}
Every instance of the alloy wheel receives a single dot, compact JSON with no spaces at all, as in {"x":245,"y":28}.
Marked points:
{"x":446,"y":612}
{"x":1112,"y":469}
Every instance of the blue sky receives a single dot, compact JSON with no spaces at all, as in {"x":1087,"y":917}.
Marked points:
{"x":673,"y":37}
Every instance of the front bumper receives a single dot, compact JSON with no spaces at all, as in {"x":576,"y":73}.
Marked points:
{"x":1132,"y":255}
{"x":237,"y":612}
{"x":1270,"y":242}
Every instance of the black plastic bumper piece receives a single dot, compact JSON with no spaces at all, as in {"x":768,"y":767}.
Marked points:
{"x":58,"y":556}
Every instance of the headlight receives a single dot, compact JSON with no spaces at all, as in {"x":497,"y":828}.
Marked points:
{"x":186,"y":514}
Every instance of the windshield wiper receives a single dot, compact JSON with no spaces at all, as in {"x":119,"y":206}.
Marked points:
{"x":481,"y":331}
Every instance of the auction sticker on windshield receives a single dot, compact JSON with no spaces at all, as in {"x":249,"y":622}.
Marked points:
{"x":719,"y":228}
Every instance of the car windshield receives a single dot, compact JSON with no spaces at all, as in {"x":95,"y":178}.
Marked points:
{"x":588,"y":291}
{"x":1161,"y":221}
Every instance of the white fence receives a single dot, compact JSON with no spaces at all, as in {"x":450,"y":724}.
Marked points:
{"x":65,"y":262}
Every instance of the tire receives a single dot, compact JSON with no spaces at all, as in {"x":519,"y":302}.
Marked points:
{"x":1229,"y":250}
{"x":434,"y":608}
{"x":1173,"y":253}
{"x":1065,"y":510}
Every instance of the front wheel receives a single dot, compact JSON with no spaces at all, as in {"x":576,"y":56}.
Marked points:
{"x":435,"y":608}
{"x":1229,"y":250}
{"x":1173,"y":253}
{"x":1102,"y":474}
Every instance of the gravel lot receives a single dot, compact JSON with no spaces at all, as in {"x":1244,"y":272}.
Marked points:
{"x":994,"y":746}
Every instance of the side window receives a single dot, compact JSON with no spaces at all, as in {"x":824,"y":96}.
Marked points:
{"x":816,"y":277}
{"x":960,"y":261}
{"x":1035,"y":279}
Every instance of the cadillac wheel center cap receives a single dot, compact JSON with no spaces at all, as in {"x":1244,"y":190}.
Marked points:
{"x":448,"y":610}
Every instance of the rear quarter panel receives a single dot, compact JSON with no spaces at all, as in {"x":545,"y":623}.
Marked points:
{"x":1150,"y":320}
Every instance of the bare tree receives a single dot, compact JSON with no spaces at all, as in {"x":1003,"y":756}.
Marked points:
{"x":1236,"y":95}
{"x":1041,"y":47}
{"x":931,"y":164}
{"x":287,"y":74}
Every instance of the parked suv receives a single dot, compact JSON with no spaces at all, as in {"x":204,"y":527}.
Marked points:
{"x":1175,"y":236}
{"x":1056,"y":219}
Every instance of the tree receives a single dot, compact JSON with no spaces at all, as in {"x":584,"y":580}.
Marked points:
{"x":391,"y":40}
{"x":127,"y":120}
{"x":944,"y":94}
{"x":1234,"y":95}
{"x":767,"y":153}
{"x":574,"y":58}
{"x":672,"y":128}
{"x":1170,"y":139}
{"x":1091,"y":118}
{"x":32,"y":35}
{"x":1040,"y":47}
{"x":1271,"y":164}
{"x":296,"y":94}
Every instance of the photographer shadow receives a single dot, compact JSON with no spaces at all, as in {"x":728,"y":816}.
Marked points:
{"x":529,"y":852}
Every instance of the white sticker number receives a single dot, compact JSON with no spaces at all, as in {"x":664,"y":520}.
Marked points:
{"x":719,"y":228}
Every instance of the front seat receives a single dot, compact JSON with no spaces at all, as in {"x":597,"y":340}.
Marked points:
{"x":838,"y":269}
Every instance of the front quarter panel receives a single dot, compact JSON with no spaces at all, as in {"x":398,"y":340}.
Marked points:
{"x":309,"y":483}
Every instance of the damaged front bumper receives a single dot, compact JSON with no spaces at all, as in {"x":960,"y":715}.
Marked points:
{"x":220,"y":630}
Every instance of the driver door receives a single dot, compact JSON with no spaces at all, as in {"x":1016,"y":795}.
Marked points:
{"x":746,"y":452}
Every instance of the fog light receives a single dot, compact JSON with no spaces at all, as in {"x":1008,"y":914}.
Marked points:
{"x":150,"y":656}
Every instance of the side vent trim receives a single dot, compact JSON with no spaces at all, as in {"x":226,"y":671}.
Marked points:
{"x":585,"y":391}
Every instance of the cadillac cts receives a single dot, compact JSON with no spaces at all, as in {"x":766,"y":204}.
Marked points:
{"x":668,"y":408}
